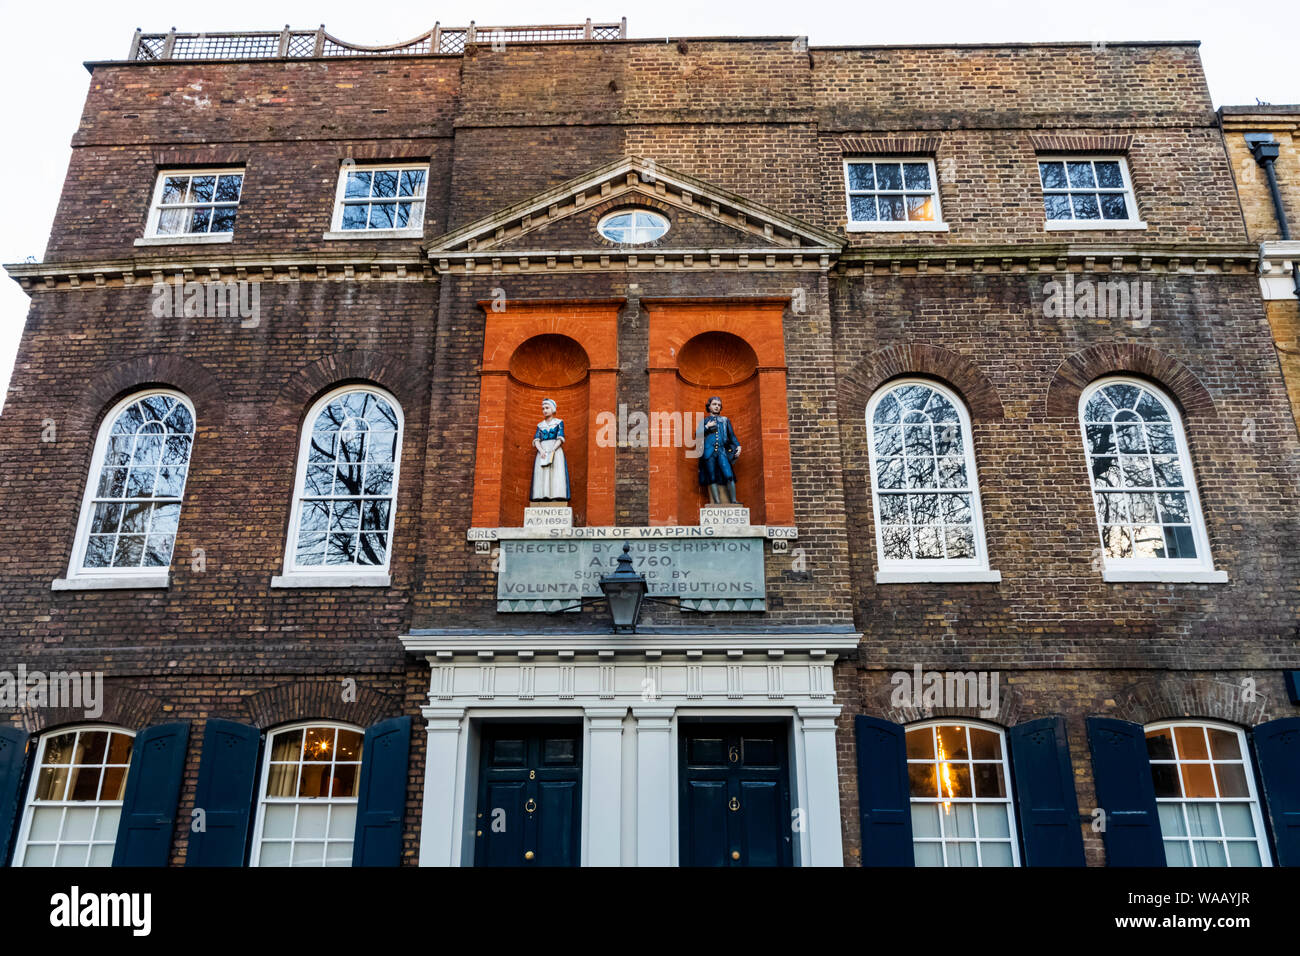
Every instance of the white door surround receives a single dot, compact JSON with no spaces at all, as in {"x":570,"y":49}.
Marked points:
{"x":629,"y":692}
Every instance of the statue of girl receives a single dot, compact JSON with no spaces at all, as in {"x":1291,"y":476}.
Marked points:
{"x":550,"y":470}
{"x":719,"y":447}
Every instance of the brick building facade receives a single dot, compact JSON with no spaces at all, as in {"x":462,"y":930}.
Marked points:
{"x":799,"y":279}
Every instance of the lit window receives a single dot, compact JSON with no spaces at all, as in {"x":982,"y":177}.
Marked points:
{"x":1147,"y":510}
{"x":195,"y":202}
{"x":960,"y":796}
{"x":1205,"y":793}
{"x":308,"y":809}
{"x":892,"y":194}
{"x":923,"y":480}
{"x":1084,"y":191}
{"x":347,"y":483}
{"x":633,"y":226}
{"x":385,"y":198}
{"x":75,"y":798}
{"x":133,"y":499}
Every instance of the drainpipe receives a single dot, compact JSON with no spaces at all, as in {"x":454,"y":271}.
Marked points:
{"x":1264,"y":149}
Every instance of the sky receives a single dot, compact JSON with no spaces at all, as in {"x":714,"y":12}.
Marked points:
{"x":1248,"y":52}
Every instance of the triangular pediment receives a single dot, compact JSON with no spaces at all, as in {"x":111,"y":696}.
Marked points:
{"x":706,"y":223}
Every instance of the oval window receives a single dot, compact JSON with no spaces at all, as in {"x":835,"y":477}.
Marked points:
{"x":633,"y":226}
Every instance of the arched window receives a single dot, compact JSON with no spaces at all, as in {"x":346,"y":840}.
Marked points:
{"x":1148,"y":514}
{"x":924,"y":486}
{"x":1205,"y":795}
{"x":132,"y":505}
{"x":347,"y":485}
{"x":74,"y":799}
{"x":307,"y":812}
{"x":960,"y":795}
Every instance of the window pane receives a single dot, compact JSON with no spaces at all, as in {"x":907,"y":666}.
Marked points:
{"x":1108,"y":174}
{"x":1171,"y":819}
{"x":412,"y":182}
{"x":1085,"y":206}
{"x":1242,"y":853}
{"x":1191,"y":743}
{"x":993,"y":821}
{"x":1080,"y":175}
{"x":1197,"y":780}
{"x":355,"y":216}
{"x":385,"y":183}
{"x":1160,"y":744}
{"x":1177,"y":853}
{"x":228,"y":188}
{"x":891,"y":208}
{"x":357,"y":185}
{"x":925,"y":820}
{"x":174,"y":189}
{"x":1237,"y":820}
{"x":863,"y":208}
{"x":995,"y":854}
{"x":1056,"y":206}
{"x":920,"y":744}
{"x":1052,"y":175}
{"x":889,"y":176}
{"x":1114,"y":206}
{"x":1232,"y":780}
{"x":916,"y":175}
{"x":861,"y":176}
{"x":920,"y":209}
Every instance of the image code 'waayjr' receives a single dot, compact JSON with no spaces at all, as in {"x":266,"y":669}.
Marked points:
{"x":540,"y":446}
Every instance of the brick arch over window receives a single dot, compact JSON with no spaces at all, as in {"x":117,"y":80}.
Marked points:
{"x":166,"y":370}
{"x":1172,"y":697}
{"x":880,"y":701}
{"x":954,"y":370}
{"x":356,"y":365}
{"x":1084,"y":367}
{"x":123,"y":707}
{"x":319,"y":700}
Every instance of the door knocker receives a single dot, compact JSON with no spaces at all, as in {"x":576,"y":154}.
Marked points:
{"x":531,"y":805}
{"x":734,"y":804}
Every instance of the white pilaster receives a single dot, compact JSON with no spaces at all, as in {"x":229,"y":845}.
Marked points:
{"x":655,"y":835}
{"x":821,"y":819}
{"x":440,"y":823}
{"x":604,"y":768}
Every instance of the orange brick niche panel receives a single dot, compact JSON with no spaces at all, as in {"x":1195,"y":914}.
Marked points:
{"x":532,"y":352}
{"x":735,"y":350}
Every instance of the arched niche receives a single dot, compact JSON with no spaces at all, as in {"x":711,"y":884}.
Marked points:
{"x":545,"y":366}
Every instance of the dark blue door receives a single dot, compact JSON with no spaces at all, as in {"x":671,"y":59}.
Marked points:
{"x":529,"y":795}
{"x":735,"y":795}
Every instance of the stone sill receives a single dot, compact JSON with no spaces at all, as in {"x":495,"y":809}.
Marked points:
{"x":196,"y":240}
{"x":374,"y":234}
{"x":896,"y":227}
{"x":972,"y":576}
{"x":349,"y":580}
{"x":103,"y":582}
{"x":1119,"y":576}
{"x":1068,"y":225}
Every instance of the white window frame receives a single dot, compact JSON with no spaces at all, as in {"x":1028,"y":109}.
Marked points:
{"x":80,"y":577}
{"x":333,"y":576}
{"x":336,"y":230}
{"x":899,"y":571}
{"x":1247,"y":761}
{"x":936,"y":224}
{"x":1134,"y":221}
{"x":255,"y":854}
{"x":1174,"y":570}
{"x":151,"y":235}
{"x":30,"y":806}
{"x":632,"y":211}
{"x":1008,"y":801}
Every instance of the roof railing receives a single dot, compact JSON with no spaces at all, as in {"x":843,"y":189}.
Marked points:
{"x":302,"y":44}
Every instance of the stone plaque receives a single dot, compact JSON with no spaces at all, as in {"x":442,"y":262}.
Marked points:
{"x":707,"y":574}
{"x":725,"y":515}
{"x":548,"y":517}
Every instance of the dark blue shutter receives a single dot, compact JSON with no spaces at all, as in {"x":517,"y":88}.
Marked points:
{"x":883,"y":793}
{"x":153,"y":785}
{"x":13,"y":761}
{"x":1121,"y":771}
{"x":381,"y":800}
{"x":1044,"y":786}
{"x":227,"y":776}
{"x":1277,"y":752}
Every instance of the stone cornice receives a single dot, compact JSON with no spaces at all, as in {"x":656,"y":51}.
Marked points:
{"x":1102,"y":257}
{"x":144,"y":270}
{"x":772,"y":645}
